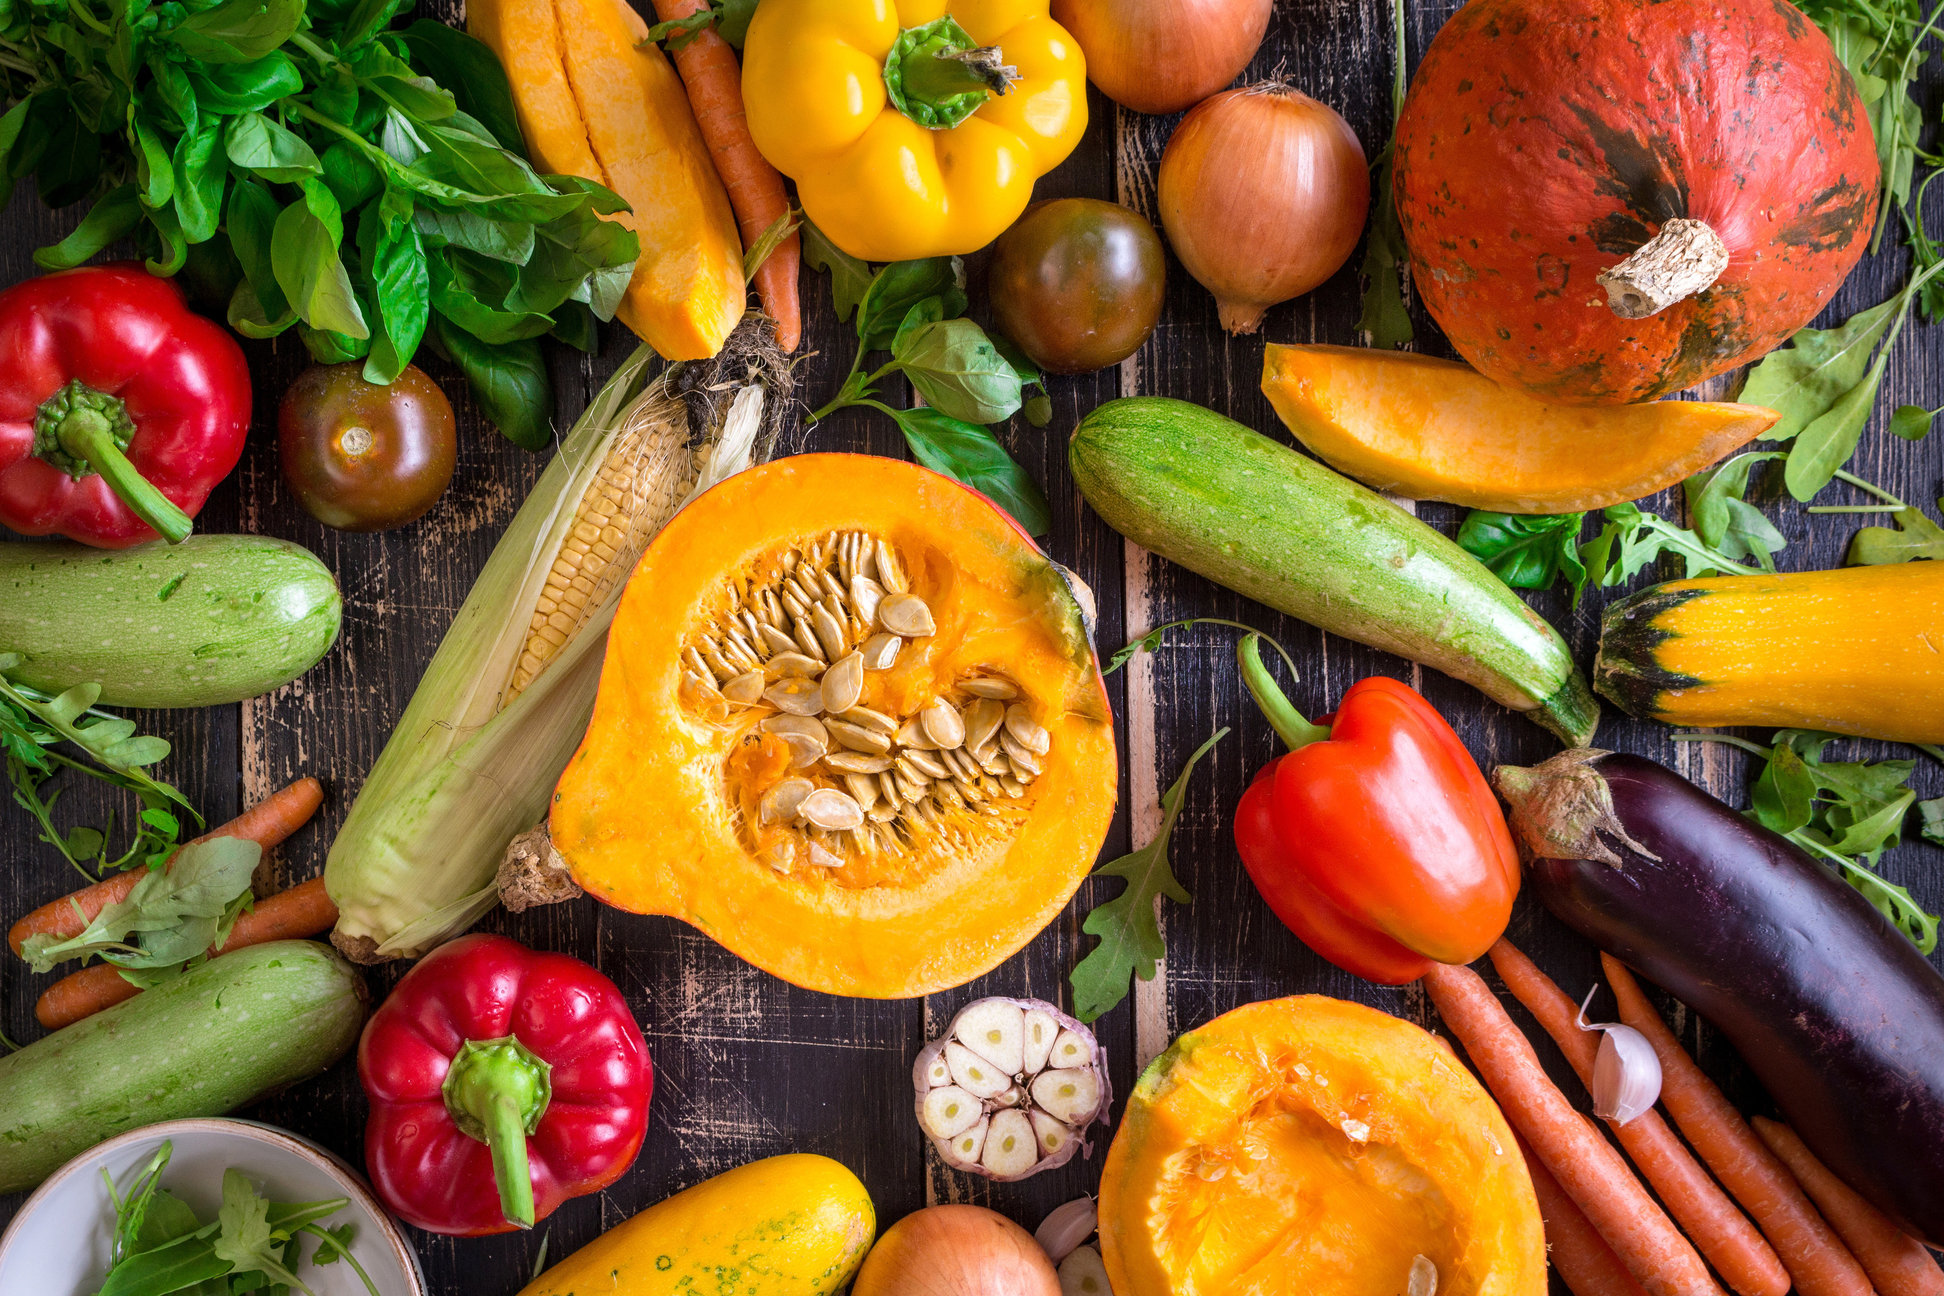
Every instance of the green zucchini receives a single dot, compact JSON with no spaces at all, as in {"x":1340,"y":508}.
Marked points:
{"x":202,"y":1044}
{"x":1253,"y":515}
{"x":215,"y":619}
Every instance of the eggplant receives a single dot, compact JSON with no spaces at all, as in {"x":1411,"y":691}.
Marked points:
{"x":1831,"y":1006}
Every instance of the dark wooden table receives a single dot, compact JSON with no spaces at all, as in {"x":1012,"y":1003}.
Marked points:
{"x":749,"y":1066}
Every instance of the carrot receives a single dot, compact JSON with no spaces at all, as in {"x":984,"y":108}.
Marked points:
{"x":714,"y":80}
{"x":1587,"y":1167}
{"x":1722,"y":1233}
{"x":1573,"y":1245}
{"x":268,"y":823}
{"x":1821,"y":1264}
{"x":303,"y":910}
{"x":1898,"y":1264}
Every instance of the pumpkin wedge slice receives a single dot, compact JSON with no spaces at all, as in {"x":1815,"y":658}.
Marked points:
{"x":850,"y":725}
{"x":1313,"y":1147}
{"x":1431,"y":429}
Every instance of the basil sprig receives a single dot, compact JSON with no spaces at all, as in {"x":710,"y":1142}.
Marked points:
{"x":915,"y":310}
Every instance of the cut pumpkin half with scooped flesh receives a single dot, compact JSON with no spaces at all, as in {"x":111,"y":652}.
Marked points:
{"x":850,"y":725}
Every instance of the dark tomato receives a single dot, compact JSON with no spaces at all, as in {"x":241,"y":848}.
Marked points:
{"x":361,"y":457}
{"x":1077,"y":283}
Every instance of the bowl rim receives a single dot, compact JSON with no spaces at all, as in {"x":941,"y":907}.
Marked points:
{"x":274,"y":1136}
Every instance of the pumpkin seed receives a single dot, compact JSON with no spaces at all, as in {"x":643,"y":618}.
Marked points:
{"x":890,"y":572}
{"x":986,"y":686}
{"x":795,"y":696}
{"x":906,"y":615}
{"x":746,"y":689}
{"x":942,"y":723}
{"x":831,"y":810}
{"x":719,"y":667}
{"x":856,"y":762}
{"x":865,"y":595}
{"x":741,"y":649}
{"x":991,"y":759}
{"x":806,"y":637}
{"x":881,"y":651}
{"x":693,"y":660}
{"x":782,"y":800}
{"x":777,"y":642}
{"x":912,"y":734}
{"x":1029,"y":734}
{"x":927,"y":762}
{"x":909,"y":789}
{"x":968,"y":789}
{"x":825,"y":859}
{"x":1022,"y":757}
{"x":857,"y":737}
{"x":982,"y":720}
{"x":832,"y":587}
{"x":863,"y":789}
{"x":1012,"y":786}
{"x":795,"y":606}
{"x":795,"y":664}
{"x":843,"y":683}
{"x":830,"y":631}
{"x":781,"y":856}
{"x":883,"y":814}
{"x":865,"y":718}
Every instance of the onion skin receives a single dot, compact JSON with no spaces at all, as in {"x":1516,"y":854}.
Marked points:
{"x":956,"y":1251}
{"x":1263,"y":194}
{"x":1161,"y":56}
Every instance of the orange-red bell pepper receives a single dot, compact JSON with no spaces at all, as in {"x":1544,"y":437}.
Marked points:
{"x":1376,"y":839}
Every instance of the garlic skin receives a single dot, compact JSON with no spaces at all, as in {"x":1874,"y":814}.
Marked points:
{"x":1626,"y":1072}
{"x":1011,"y":1089}
{"x":1066,"y":1227}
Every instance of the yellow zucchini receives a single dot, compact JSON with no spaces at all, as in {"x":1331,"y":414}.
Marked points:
{"x":793,"y":1225}
{"x":1855,"y":651}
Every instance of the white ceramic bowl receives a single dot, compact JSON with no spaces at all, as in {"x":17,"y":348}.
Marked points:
{"x":58,"y":1244}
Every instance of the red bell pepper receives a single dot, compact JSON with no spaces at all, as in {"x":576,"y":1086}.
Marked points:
{"x":120,"y":409}
{"x":1376,"y":839}
{"x":502,"y":1082}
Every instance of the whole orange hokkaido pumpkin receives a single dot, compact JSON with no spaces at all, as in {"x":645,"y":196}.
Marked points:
{"x":1609,"y":200}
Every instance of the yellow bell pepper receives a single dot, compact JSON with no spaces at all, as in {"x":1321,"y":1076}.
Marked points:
{"x":913,"y":128}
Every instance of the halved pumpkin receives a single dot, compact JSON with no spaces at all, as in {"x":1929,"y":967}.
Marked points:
{"x":851,"y":725}
{"x":1316,"y":1147}
{"x":1431,"y":429}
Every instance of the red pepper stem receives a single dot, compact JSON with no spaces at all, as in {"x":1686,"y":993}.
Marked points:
{"x":81,"y":431}
{"x":1289,"y":723}
{"x":496,"y":1091}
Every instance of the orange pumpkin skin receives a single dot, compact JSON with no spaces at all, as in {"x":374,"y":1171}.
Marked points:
{"x":659,"y":810}
{"x":1310,"y":1146}
{"x":1543,"y":141}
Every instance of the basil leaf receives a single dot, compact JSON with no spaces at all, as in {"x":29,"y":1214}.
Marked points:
{"x":1526,"y":552}
{"x":732,"y":24}
{"x":304,"y":254}
{"x":117,"y":213}
{"x":232,"y":88}
{"x":261,"y":145}
{"x":955,"y":367}
{"x":900,"y":286}
{"x":237,"y":31}
{"x":472,"y":72}
{"x":509,"y":380}
{"x":402,"y":286}
{"x":850,"y":278}
{"x":200,"y":175}
{"x":259,"y":307}
{"x":969,"y":453}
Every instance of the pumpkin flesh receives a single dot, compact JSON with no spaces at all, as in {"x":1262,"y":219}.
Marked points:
{"x":1544,"y":141}
{"x":1309,"y":1145}
{"x":684,"y":801}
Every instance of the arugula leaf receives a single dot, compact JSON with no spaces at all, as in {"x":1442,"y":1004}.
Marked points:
{"x":969,"y":453}
{"x":1932,"y":812}
{"x":1387,"y":261}
{"x":247,"y":1239}
{"x":1915,"y":536}
{"x":1912,"y":422}
{"x":1723,"y":517}
{"x":850,"y":278}
{"x":173,"y":915}
{"x":1526,"y":552}
{"x":1129,"y":925}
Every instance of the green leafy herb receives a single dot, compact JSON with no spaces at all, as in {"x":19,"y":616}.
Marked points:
{"x":350,"y":195}
{"x":1128,"y":926}
{"x":170,"y":919}
{"x":1386,"y":261}
{"x":1915,"y":536}
{"x":1526,"y":552}
{"x":1533,"y":552}
{"x":1846,"y":813}
{"x":1912,"y":422}
{"x":1932,"y":812}
{"x":1724,"y":520}
{"x":915,"y":309}
{"x":730,"y":19}
{"x":1151,"y":641}
{"x":33,"y":725}
{"x":769,"y":240}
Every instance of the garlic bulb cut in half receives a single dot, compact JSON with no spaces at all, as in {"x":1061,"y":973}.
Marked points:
{"x":1011,"y":1088}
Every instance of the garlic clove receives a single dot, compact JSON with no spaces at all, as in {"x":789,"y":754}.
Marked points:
{"x":949,"y":1112}
{"x":1041,"y":1029}
{"x":1083,"y":1273}
{"x":1423,"y":1279}
{"x":963,"y":1150}
{"x":1053,"y":1134}
{"x":1071,"y":1096}
{"x":1626,"y":1071}
{"x":1010,"y":1146}
{"x":1071,"y":1049}
{"x":937,"y":1073}
{"x":1066,"y":1227}
{"x":996,"y":1031}
{"x":973,"y":1073}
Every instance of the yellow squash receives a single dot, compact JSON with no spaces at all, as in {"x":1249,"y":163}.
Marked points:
{"x":1431,"y":429}
{"x":1856,"y":651}
{"x":795,"y":1225}
{"x":596,"y":100}
{"x":1313,"y":1147}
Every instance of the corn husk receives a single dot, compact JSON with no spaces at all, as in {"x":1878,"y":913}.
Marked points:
{"x":474,"y":759}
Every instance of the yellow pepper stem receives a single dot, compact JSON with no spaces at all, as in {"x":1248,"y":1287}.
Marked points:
{"x":938,"y":76}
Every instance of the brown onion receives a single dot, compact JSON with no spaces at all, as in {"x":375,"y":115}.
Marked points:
{"x":1160,"y":56}
{"x":956,"y":1251}
{"x":1263,"y":194}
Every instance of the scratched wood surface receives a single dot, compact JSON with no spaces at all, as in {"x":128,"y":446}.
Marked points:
{"x":748,"y":1066}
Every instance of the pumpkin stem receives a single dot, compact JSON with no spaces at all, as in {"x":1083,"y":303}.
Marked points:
{"x":1685,"y":258}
